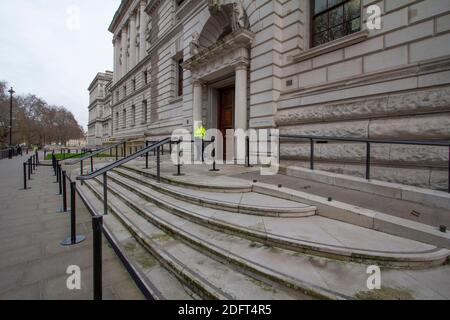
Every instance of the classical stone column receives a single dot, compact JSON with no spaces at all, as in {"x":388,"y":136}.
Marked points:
{"x":142,"y":28}
{"x":197,"y":104}
{"x":124,"y":51}
{"x":132,"y":41}
{"x":116,"y":59}
{"x":240,"y":111}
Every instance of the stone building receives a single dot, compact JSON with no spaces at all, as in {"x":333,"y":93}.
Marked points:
{"x":100,"y":120}
{"x":307,"y":67}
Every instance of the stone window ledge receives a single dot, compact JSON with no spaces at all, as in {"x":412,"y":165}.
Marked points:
{"x":332,"y":46}
{"x":176,"y":99}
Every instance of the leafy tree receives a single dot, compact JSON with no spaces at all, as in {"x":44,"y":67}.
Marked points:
{"x":35,"y":121}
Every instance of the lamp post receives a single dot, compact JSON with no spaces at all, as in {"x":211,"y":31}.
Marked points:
{"x":11,"y":92}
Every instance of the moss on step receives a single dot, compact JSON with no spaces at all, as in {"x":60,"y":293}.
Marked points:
{"x":385,"y":293}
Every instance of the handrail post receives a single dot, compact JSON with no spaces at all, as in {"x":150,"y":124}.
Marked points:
{"x":158,"y":165}
{"x":368,"y":160}
{"x":247,"y":149}
{"x":124,"y":150}
{"x":81,"y":170}
{"x":117,"y":153}
{"x":214,"y":169}
{"x":146,"y":156}
{"x":105,"y":193}
{"x":97,"y":225}
{"x":92,"y":164}
{"x":74,"y":238}
{"x":311,"y":158}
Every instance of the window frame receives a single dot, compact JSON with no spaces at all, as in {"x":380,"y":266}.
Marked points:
{"x":312,"y":6}
{"x":179,"y":78}
{"x":144,"y":111}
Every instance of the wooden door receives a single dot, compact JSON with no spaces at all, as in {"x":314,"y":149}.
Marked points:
{"x":226,"y":113}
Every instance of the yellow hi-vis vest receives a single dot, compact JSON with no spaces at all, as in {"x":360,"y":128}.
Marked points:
{"x":200,"y":132}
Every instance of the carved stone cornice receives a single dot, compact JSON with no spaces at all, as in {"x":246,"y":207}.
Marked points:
{"x":239,"y":39}
{"x":152,"y":5}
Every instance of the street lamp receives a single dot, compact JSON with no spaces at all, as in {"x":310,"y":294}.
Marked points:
{"x":11,"y":92}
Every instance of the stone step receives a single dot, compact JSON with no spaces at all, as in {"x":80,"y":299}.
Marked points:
{"x":217,"y":184}
{"x":206,"y":276}
{"x":247,"y":203}
{"x":313,"y":235}
{"x":160,"y":282}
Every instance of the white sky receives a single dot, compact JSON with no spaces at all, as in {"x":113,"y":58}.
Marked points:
{"x":45,"y":51}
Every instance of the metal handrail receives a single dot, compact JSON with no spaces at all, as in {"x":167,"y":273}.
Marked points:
{"x":122,"y":161}
{"x":406,"y":142}
{"x":368,"y":143}
{"x":91,"y":155}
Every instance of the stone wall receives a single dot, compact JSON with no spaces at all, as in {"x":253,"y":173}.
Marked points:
{"x":391,"y":83}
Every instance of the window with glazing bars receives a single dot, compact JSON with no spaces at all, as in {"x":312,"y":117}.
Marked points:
{"x":333,"y":19}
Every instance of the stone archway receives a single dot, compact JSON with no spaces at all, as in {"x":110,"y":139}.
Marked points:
{"x":222,"y":47}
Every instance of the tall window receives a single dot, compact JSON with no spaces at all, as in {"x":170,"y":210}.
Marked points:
{"x":179,"y":78}
{"x":144,"y":111}
{"x":133,"y":82}
{"x":145,"y":74}
{"x":133,"y":115}
{"x":124,"y":120}
{"x":117,"y":121}
{"x":124,"y":91}
{"x":333,"y":19}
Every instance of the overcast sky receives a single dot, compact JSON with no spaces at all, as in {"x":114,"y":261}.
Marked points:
{"x":48,"y":49}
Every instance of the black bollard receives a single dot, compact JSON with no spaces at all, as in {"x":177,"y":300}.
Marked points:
{"x":74,"y":238}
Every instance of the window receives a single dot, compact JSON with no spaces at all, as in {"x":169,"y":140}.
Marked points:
{"x":144,"y":111}
{"x":117,"y":121}
{"x":133,"y":115}
{"x":124,"y":120}
{"x":333,"y":19}
{"x":145,"y":75}
{"x":117,"y":96}
{"x":134,"y":84}
{"x":179,"y":78}
{"x":124,"y":91}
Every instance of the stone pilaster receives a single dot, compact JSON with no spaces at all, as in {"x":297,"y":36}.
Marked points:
{"x":124,"y":51}
{"x":241,"y":97}
{"x":142,"y":28}
{"x":133,"y":32}
{"x":197,"y":104}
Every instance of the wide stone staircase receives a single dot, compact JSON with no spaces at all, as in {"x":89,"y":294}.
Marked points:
{"x":218,"y":237}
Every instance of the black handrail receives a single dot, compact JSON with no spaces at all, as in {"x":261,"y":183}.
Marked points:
{"x":91,"y":155}
{"x":122,"y":161}
{"x":407,"y":142}
{"x":368,"y":143}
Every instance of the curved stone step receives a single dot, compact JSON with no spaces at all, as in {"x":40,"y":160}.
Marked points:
{"x":247,"y":203}
{"x":206,"y":276}
{"x":160,"y":283}
{"x":313,"y":235}
{"x":222,"y":184}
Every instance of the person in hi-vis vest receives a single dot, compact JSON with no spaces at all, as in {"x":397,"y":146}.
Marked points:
{"x":199,"y":136}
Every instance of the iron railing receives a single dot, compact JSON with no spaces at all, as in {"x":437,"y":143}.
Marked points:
{"x":314,"y":139}
{"x":98,"y":230}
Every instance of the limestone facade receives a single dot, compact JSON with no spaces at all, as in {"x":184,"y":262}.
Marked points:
{"x":390,"y":83}
{"x":100,"y":120}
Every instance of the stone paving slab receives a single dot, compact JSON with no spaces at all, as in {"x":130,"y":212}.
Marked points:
{"x":33,"y":264}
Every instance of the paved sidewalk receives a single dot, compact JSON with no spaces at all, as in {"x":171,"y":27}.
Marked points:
{"x":33,"y":264}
